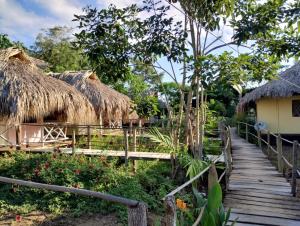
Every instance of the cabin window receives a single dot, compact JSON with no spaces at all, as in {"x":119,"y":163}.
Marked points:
{"x":296,"y":108}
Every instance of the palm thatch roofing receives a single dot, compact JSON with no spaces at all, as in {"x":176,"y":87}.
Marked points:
{"x":26,"y":93}
{"x":286,"y":85}
{"x":111,"y":105}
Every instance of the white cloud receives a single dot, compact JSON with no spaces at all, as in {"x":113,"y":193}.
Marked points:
{"x":17,"y":22}
{"x":23,"y":25}
{"x":62,"y":9}
{"x":119,"y":4}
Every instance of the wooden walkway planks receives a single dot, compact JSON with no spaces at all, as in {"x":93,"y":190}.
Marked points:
{"x":257,"y":193}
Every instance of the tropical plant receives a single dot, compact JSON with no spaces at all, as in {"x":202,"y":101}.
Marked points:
{"x":214,"y":213}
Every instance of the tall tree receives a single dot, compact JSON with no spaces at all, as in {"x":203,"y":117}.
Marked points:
{"x":54,"y":46}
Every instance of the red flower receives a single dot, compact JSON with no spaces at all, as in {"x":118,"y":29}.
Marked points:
{"x":47,"y":164}
{"x":18,"y":218}
{"x":37,"y":172}
{"x":77,"y":171}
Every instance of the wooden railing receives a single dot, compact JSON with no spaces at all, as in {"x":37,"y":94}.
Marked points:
{"x":169,"y":199}
{"x":282,"y":162}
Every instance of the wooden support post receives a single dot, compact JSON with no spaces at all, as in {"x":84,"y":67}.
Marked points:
{"x":89,"y":137}
{"x":279,"y":155}
{"x":228,"y":150}
{"x":135,"y":163}
{"x":269,"y":144}
{"x":259,"y":139}
{"x":126,"y":146}
{"x":137,"y":215}
{"x":294,"y":169}
{"x":73,"y":140}
{"x":238,"y":129}
{"x":298,"y":188}
{"x":247,"y":133}
{"x":18,"y":137}
{"x":130,"y":127}
{"x":101,"y":124}
{"x":42,"y":135}
{"x":170,"y":211}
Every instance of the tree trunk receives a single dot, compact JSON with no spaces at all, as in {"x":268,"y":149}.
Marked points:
{"x":180,"y":113}
{"x":197,"y":153}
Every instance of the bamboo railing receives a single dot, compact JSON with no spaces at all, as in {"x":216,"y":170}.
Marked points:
{"x":282,"y":162}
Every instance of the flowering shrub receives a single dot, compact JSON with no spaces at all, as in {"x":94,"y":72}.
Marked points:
{"x":150,"y":183}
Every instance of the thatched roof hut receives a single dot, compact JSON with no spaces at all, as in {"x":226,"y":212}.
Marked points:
{"x":110,"y":105}
{"x":286,"y":85}
{"x":26,"y":93}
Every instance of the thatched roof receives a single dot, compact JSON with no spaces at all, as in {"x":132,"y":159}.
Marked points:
{"x":26,"y":93}
{"x":110,"y":104}
{"x":286,"y":85}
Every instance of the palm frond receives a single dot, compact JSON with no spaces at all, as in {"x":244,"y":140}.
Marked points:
{"x":162,"y":140}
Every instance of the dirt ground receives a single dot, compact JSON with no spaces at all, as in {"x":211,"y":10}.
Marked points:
{"x":41,"y":219}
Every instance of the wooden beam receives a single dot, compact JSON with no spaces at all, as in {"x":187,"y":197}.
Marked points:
{"x":294,"y":169}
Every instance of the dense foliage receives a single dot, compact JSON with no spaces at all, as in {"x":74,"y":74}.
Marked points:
{"x":54,"y":46}
{"x":274,"y":25}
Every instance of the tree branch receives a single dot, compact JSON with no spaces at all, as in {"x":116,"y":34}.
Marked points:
{"x":223,"y":45}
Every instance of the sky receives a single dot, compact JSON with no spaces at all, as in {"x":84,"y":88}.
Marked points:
{"x":22,"y":20}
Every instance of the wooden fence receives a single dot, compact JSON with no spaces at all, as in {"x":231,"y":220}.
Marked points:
{"x":169,"y":199}
{"x":282,"y":162}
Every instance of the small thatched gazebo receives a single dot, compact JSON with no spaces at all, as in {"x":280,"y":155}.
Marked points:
{"x":112,"y":107}
{"x":277,"y":102}
{"x":29,"y":95}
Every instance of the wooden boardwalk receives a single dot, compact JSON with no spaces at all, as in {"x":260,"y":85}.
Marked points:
{"x":257,"y":193}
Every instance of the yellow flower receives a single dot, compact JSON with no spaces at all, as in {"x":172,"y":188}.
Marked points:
{"x":181,"y":204}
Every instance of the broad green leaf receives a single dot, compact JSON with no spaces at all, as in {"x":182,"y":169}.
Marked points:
{"x":214,"y":199}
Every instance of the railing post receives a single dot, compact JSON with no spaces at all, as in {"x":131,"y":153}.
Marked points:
{"x":269,"y":144}
{"x":126,"y":146}
{"x":259,"y":138}
{"x":294,"y":169}
{"x":89,"y":137}
{"x":279,"y":155}
{"x":18,"y":137}
{"x":73,"y":140}
{"x":42,"y":135}
{"x":229,"y":150}
{"x":137,"y":215}
{"x":134,"y":149}
{"x":238,"y":128}
{"x":170,"y":211}
{"x":247,"y":133}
